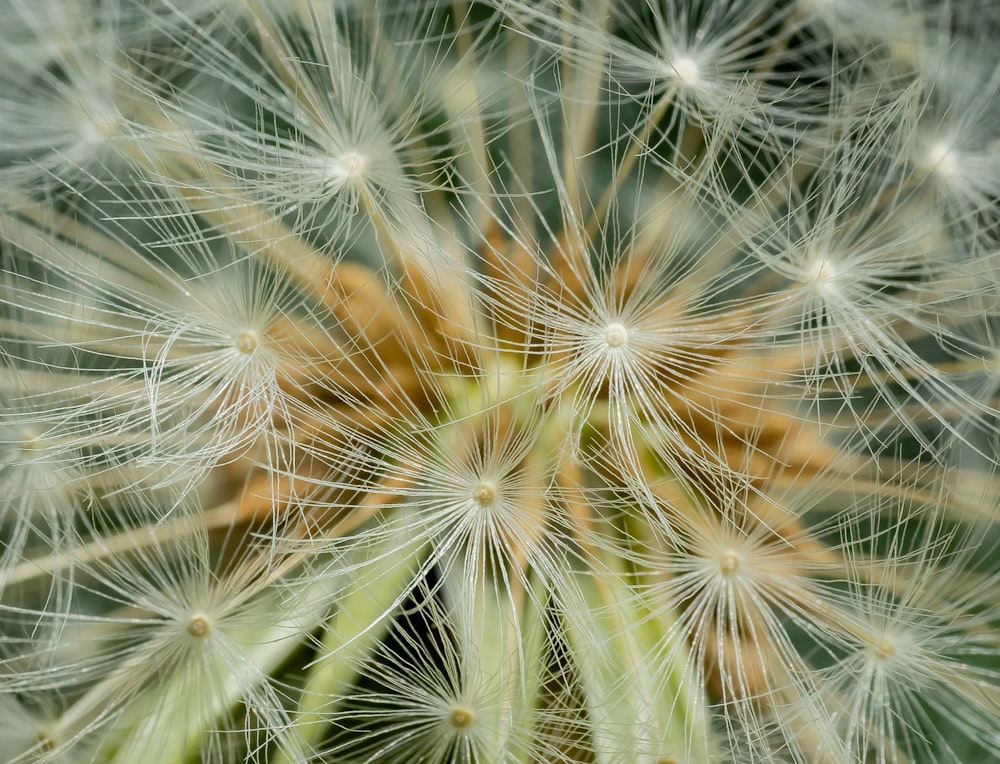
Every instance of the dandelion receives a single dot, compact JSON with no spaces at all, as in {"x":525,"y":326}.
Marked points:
{"x":950,"y":145}
{"x":498,"y":381}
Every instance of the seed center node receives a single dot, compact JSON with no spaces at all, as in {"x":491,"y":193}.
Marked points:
{"x":484,"y":494}
{"x":199,"y":626}
{"x":685,"y":69}
{"x":349,"y":167}
{"x":729,"y":562}
{"x":461,"y":718}
{"x":246,"y":341}
{"x":615,"y":335}
{"x":941,"y":158}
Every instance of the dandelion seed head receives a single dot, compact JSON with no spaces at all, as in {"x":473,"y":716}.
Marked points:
{"x":199,"y":625}
{"x":893,"y":648}
{"x":991,"y":364}
{"x":246,"y":341}
{"x":98,"y":128}
{"x":461,"y":717}
{"x":684,"y":69}
{"x":484,"y":494}
{"x":349,"y":168}
{"x":615,"y":335}
{"x":41,"y":465}
{"x":509,"y":382}
{"x":729,"y":562}
{"x":823,"y":273}
{"x":941,"y":159}
{"x":30,"y":441}
{"x":885,"y":649}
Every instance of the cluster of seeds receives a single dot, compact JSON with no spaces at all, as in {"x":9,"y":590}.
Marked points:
{"x":510,"y":381}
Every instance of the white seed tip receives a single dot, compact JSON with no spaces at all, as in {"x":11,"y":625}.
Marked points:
{"x":615,"y":335}
{"x":685,"y":69}
{"x":246,"y":341}
{"x":29,"y":441}
{"x":46,"y":743}
{"x":461,"y":718}
{"x":484,"y":494}
{"x":941,"y":159}
{"x":885,"y":649}
{"x":992,"y":364}
{"x":199,"y":626}
{"x":101,"y":128}
{"x":349,"y":167}
{"x":823,"y":273}
{"x":729,"y":562}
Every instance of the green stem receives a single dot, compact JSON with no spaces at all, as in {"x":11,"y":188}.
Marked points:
{"x":353,"y":633}
{"x":641,"y":708}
